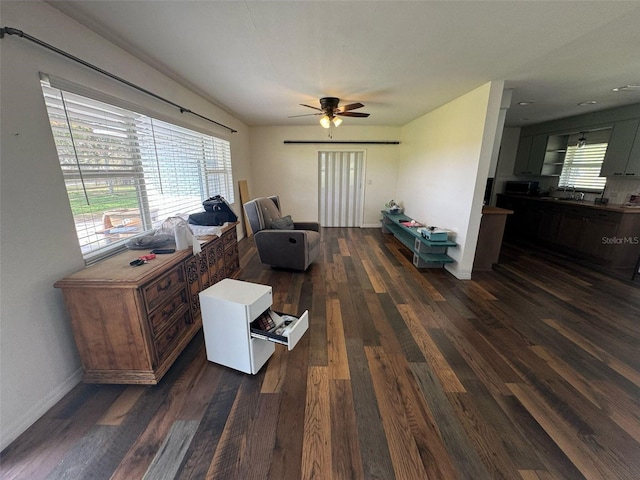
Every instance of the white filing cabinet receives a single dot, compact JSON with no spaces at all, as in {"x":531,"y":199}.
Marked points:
{"x":231,"y":311}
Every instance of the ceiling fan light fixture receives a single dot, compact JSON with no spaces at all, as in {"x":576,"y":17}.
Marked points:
{"x":331,"y":112}
{"x":325,"y":121}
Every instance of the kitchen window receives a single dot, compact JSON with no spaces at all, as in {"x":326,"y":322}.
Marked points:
{"x":126,"y":172}
{"x":583,"y":161}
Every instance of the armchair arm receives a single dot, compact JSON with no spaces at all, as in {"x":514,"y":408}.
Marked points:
{"x":315,"y":226}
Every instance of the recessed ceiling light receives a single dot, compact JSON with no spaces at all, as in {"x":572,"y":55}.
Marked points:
{"x":590,"y":102}
{"x":627,"y":88}
{"x":525,"y":102}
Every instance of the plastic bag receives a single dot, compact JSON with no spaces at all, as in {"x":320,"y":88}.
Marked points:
{"x":149,"y":242}
{"x":182,"y":234}
{"x":173,"y":231}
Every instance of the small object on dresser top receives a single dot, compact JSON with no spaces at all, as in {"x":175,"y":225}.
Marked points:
{"x":162,"y":251}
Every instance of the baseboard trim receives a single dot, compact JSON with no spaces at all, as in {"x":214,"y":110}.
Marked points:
{"x":460,"y":275}
{"x":10,"y":433}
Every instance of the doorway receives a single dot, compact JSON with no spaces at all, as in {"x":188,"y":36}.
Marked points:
{"x":340,"y":187}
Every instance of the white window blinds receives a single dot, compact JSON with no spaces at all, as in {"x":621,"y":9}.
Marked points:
{"x":581,"y":169}
{"x":126,"y":172}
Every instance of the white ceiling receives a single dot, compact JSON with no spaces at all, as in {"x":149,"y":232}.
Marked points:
{"x":260,"y":59}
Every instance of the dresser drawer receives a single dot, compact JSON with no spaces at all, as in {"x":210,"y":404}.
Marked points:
{"x":231,"y":261}
{"x":168,"y":337}
{"x":162,"y":316}
{"x":168,"y":285}
{"x":229,"y":238}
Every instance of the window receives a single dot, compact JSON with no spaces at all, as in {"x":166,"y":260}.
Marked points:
{"x":582,"y":164}
{"x":126,"y":172}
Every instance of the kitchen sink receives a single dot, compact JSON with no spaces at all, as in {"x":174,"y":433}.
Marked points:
{"x":561,"y":199}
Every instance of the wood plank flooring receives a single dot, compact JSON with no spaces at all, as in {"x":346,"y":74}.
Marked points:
{"x":529,"y":372}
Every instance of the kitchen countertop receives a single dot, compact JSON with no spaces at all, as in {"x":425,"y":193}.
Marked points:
{"x":489,"y":210}
{"x":611,"y":207}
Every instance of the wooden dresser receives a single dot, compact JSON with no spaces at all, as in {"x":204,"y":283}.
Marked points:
{"x":131,"y":323}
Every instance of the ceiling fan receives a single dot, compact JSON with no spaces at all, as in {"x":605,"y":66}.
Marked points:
{"x":331,"y":112}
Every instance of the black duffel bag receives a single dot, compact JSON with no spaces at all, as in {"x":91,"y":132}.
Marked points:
{"x":217,"y":212}
{"x":208,"y":218}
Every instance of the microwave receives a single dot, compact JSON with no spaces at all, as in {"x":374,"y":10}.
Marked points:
{"x":521,"y":187}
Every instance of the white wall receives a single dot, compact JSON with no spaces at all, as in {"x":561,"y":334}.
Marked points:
{"x":291,"y":170}
{"x":38,"y":359}
{"x":444,"y":162}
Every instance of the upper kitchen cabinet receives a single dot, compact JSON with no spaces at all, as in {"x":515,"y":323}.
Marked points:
{"x":633,"y":165}
{"x":541,"y":155}
{"x":554,"y":155}
{"x":623,"y":152}
{"x":530,"y":155}
{"x":543,"y":147}
{"x":521,"y":165}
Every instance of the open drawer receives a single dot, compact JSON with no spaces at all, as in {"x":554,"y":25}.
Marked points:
{"x":280,"y":327}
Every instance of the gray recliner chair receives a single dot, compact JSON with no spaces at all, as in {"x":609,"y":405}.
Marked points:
{"x":280,"y":242}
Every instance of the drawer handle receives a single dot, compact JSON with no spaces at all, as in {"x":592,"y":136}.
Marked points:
{"x":166,"y":287}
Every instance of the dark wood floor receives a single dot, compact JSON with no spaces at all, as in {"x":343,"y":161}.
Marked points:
{"x":527,"y":372}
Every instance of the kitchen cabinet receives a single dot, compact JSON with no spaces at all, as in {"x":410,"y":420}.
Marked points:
{"x":517,"y":224}
{"x":240,"y":328}
{"x":131,"y":323}
{"x":633,"y":165}
{"x":600,"y":225}
{"x":554,"y":155}
{"x":623,"y":151}
{"x":541,"y":155}
{"x":530,"y":155}
{"x":548,"y":221}
{"x":606,"y":236}
{"x":521,"y":165}
{"x":582,"y":231}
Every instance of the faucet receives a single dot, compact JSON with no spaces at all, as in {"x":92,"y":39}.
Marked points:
{"x":574,"y":195}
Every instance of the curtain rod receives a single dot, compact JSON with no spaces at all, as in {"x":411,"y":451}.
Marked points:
{"x":351,"y":142}
{"x":14,"y":31}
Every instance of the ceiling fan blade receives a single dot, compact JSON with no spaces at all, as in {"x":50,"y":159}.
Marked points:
{"x":306,"y":115}
{"x":309,"y":106}
{"x":353,"y":114}
{"x":351,"y":106}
